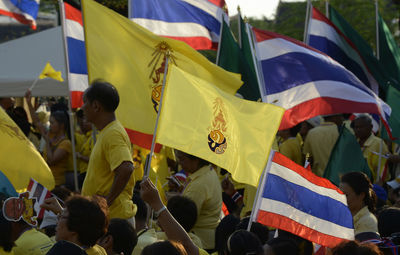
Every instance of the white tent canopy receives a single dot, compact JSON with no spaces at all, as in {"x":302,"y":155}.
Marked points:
{"x":23,"y":59}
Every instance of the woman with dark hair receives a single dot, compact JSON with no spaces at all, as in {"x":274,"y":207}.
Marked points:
{"x":243,"y":242}
{"x":361,"y":200}
{"x":57,"y":152}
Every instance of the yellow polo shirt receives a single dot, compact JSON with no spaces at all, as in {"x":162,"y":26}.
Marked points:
{"x":291,"y":148}
{"x":205,"y":190}
{"x":365,"y":221}
{"x":32,"y":242}
{"x":96,"y":250}
{"x":110,"y":151}
{"x":145,"y":237}
{"x":84,"y":145}
{"x":2,"y":252}
{"x":319,"y":144}
{"x":370,"y":151}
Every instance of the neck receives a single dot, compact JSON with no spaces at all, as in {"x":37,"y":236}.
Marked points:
{"x":103,"y":120}
{"x":356,"y":210}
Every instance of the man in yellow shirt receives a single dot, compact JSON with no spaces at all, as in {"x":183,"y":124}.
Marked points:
{"x":205,"y":190}
{"x":371,"y":146}
{"x":110,"y":168}
{"x":320,"y":142}
{"x":290,"y":146}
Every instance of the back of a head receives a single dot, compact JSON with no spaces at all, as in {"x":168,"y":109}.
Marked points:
{"x":88,"y":216}
{"x":258,"y":229}
{"x":224,"y":229}
{"x":184,"y":210}
{"x":283,"y":246}
{"x":164,"y":248}
{"x":389,"y":221}
{"x":243,"y":242}
{"x":104,"y":93}
{"x":356,"y":248}
{"x":124,"y":236}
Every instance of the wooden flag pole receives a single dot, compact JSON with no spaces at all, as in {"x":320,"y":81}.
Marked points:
{"x":153,"y":142}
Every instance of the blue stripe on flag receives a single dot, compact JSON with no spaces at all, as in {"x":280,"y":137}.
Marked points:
{"x":333,"y":50}
{"x":173,"y":11}
{"x":307,"y":201}
{"x":77,"y":56}
{"x":30,"y":7}
{"x":294,"y":68}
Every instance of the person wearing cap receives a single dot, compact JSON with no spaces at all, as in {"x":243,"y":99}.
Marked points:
{"x":371,"y":146}
{"x":320,"y":142}
{"x":394,"y":191}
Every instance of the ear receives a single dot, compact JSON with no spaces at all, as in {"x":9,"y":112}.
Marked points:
{"x":107,"y":243}
{"x":97,"y":107}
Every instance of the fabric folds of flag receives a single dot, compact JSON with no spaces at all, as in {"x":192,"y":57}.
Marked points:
{"x":50,"y":72}
{"x":23,"y":11}
{"x":38,"y":191}
{"x":76,"y":53}
{"x":133,"y":59}
{"x":294,"y":199}
{"x":196,"y":22}
{"x":201,"y":119}
{"x":308,"y":83}
{"x":20,"y":160}
{"x":323,"y":35}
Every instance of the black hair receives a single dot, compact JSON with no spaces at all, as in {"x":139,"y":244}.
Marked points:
{"x":104,"y":93}
{"x":165,"y":248}
{"x":224,"y":229}
{"x":62,"y":118}
{"x":124,"y":236}
{"x":360,"y":183}
{"x":389,"y":221}
{"x":6,"y":229}
{"x":355,"y":248}
{"x":362,"y":117}
{"x":294,"y":130}
{"x":88,"y":216}
{"x":283,"y":246}
{"x":202,"y":162}
{"x":243,"y":242}
{"x":79,"y":114}
{"x":258,"y":229}
{"x":141,"y":213}
{"x":184,"y":210}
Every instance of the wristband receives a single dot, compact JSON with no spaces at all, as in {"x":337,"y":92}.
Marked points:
{"x":235,"y":197}
{"x":157,"y":214}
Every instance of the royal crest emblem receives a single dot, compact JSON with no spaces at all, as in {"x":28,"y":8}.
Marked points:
{"x":160,"y":54}
{"x":216,"y":139}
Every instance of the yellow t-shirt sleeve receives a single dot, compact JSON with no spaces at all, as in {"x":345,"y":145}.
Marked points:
{"x":117,"y":150}
{"x":65,"y":145}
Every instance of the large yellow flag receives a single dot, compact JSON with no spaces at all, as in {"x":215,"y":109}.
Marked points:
{"x":50,"y":72}
{"x":133,"y":59}
{"x":201,"y":119}
{"x":19,"y":159}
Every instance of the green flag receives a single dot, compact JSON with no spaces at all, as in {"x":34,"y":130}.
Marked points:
{"x":376,"y":68}
{"x":389,"y":52}
{"x":346,"y":157}
{"x":233,"y":59}
{"x":393,"y":100}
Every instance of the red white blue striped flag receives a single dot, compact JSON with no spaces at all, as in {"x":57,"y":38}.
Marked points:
{"x":76,"y":54}
{"x":39,"y":192}
{"x":294,"y":199}
{"x":22,"y":11}
{"x":196,"y":22}
{"x":308,"y":83}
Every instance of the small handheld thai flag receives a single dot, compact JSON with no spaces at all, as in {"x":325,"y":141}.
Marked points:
{"x":39,"y":192}
{"x":23,"y":11}
{"x":294,"y":199}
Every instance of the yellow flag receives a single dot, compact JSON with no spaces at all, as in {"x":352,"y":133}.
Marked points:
{"x":133,"y":59}
{"x":19,"y":159}
{"x":48,"y":71}
{"x":200,"y":119}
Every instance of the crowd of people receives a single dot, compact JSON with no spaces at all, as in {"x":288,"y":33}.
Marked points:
{"x":199,"y":209}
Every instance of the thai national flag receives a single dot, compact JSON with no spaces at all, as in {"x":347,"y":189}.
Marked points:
{"x":76,"y":54}
{"x":323,"y":35}
{"x":196,"y":22}
{"x":308,"y":83}
{"x":38,"y":191}
{"x":294,"y":199}
{"x":24,"y":11}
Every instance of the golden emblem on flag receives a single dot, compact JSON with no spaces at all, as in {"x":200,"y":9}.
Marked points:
{"x":216,"y":138}
{"x":162,"y":50}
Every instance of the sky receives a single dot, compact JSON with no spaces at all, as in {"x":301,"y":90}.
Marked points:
{"x":254,"y":8}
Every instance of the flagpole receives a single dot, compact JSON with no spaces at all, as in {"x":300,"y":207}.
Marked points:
{"x":34,"y":83}
{"x":305,"y":37}
{"x":377,"y":28}
{"x":255,"y":61}
{"x":239,"y":27}
{"x":220,"y":38}
{"x":327,"y":8}
{"x":70,"y":113}
{"x":153,"y":142}
{"x":260,"y":187}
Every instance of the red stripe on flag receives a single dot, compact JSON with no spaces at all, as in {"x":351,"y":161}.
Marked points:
{"x":72,"y":13}
{"x":19,"y":17}
{"x":292,"y":166}
{"x":76,"y":99}
{"x":219,"y":3}
{"x":197,"y":42}
{"x":143,"y":140}
{"x":41,"y":213}
{"x":31,"y":182}
{"x":284,"y":223}
{"x":323,"y":106}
